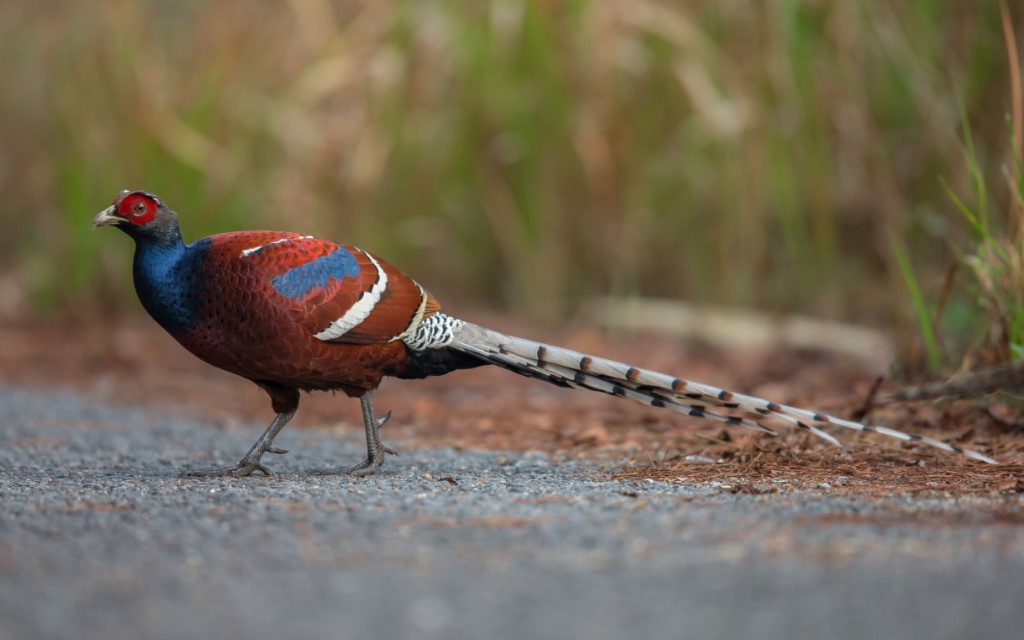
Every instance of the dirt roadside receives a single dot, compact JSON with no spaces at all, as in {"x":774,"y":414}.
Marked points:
{"x":130,"y":362}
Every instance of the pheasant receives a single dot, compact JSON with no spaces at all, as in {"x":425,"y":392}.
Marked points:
{"x":295,"y":313}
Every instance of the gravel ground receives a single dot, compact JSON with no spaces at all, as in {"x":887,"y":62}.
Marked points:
{"x":100,"y":538}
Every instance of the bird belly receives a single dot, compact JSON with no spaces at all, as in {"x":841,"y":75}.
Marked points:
{"x":288,"y":355}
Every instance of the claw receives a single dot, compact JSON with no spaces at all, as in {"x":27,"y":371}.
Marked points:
{"x":276,"y":450}
{"x":359,"y":467}
{"x":380,"y":423}
{"x":240,"y":470}
{"x":259,"y":467}
{"x":365,"y":468}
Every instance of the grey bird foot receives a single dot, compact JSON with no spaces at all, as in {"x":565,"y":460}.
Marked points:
{"x":367,"y":467}
{"x":251,"y":461}
{"x":375,"y":450}
{"x":240,"y":470}
{"x":370,"y":465}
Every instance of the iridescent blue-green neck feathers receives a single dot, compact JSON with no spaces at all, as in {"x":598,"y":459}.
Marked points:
{"x":169,"y":275}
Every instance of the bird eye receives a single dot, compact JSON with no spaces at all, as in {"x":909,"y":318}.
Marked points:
{"x":139,"y":208}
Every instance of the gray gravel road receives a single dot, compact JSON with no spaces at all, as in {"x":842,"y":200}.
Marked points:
{"x":99,"y":538}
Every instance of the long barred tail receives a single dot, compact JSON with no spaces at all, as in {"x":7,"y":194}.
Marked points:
{"x":581,"y":371}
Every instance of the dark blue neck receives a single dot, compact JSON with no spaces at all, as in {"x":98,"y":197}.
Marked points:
{"x":169,"y":279}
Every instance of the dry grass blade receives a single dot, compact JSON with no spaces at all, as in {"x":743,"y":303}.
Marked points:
{"x":1013,"y":60}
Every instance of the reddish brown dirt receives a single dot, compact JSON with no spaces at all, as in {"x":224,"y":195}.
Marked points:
{"x":132,"y":362}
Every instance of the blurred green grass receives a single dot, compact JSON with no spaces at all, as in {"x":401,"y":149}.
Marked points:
{"x":517,"y":154}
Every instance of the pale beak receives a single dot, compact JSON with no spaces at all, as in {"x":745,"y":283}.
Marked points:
{"x":106,"y":218}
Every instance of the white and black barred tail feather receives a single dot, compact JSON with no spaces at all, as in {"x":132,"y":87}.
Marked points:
{"x":578,"y":370}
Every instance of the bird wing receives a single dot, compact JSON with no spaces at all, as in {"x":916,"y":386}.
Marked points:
{"x":339,"y":293}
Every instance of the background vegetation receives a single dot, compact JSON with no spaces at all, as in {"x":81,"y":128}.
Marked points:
{"x":520,"y":154}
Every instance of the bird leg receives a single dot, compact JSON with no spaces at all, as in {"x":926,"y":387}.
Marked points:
{"x":375,"y":447}
{"x":251,"y":461}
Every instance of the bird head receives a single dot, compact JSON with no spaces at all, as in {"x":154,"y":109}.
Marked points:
{"x":140,"y":214}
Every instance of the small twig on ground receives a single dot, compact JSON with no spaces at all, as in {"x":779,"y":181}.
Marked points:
{"x":971,"y":385}
{"x":869,"y":400}
{"x":1004,"y":425}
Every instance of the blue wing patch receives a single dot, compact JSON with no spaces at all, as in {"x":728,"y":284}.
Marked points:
{"x":296,"y":283}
